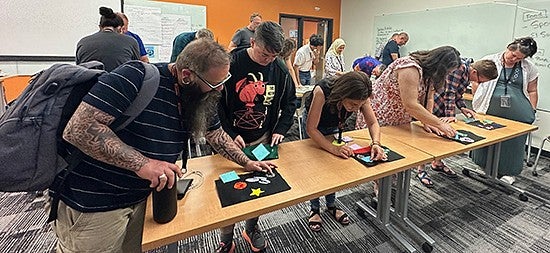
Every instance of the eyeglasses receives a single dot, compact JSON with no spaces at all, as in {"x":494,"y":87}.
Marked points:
{"x":213,"y":86}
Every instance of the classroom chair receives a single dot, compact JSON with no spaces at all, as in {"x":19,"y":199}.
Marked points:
{"x":299,"y":113}
{"x":528,"y":155}
{"x":538,"y":155}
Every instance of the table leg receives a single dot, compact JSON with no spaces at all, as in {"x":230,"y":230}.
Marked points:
{"x":493,"y":157}
{"x":382,"y":213}
{"x":402,"y":206}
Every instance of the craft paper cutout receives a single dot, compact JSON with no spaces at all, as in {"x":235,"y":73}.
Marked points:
{"x":229,"y":176}
{"x":365,"y":159}
{"x":256,"y":192}
{"x":345,"y":139}
{"x":260,"y":152}
{"x":485,"y":124}
{"x":268,"y":184}
{"x":466,"y":137}
{"x":239,"y":185}
{"x":338,"y":144}
{"x":362,"y":150}
{"x":273,"y":152}
{"x":355,"y":146}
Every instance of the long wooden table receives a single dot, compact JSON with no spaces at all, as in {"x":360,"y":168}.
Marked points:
{"x":310,"y":172}
{"x":414,"y":135}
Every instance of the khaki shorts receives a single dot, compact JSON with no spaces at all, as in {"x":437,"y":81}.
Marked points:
{"x":119,"y":230}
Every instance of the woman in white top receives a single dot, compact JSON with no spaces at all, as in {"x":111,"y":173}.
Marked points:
{"x":513,"y":95}
{"x":334,"y":59}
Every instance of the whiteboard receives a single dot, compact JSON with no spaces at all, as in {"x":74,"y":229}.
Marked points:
{"x":475,"y":30}
{"x":158,"y":23}
{"x":532,"y":20}
{"x":48,"y":27}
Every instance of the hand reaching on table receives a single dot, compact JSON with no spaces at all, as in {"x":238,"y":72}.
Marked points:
{"x":342,"y":151}
{"x":264,"y":166}
{"x":377,"y":153}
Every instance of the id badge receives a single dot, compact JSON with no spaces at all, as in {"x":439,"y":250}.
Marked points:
{"x":505,"y":101}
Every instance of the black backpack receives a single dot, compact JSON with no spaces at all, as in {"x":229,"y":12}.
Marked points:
{"x":32,"y":151}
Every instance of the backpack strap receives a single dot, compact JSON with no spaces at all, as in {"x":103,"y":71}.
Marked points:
{"x":148,"y":90}
{"x":145,"y":95}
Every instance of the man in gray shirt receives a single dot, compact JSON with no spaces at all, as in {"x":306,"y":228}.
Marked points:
{"x":241,"y":38}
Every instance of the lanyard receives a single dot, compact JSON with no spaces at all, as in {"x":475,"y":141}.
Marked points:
{"x":339,"y":62}
{"x":341,"y":121}
{"x":507,"y":79}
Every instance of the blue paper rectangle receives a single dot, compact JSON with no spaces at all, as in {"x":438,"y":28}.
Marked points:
{"x":229,"y":176}
{"x":260,"y":152}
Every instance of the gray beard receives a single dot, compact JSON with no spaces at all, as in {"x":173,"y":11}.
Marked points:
{"x":206,"y":107}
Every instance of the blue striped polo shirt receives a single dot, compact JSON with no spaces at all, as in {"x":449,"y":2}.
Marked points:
{"x":156,"y":133}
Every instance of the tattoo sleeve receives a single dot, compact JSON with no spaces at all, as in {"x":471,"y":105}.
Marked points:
{"x":88,"y":130}
{"x":224,"y":145}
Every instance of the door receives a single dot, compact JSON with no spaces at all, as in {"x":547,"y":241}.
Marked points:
{"x":301,"y":28}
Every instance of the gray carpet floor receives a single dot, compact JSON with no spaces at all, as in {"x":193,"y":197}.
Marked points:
{"x":461,"y":215}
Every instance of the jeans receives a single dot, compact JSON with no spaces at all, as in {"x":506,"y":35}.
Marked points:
{"x":305,"y":77}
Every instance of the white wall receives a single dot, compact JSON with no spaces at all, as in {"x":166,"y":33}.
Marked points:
{"x":357,"y":23}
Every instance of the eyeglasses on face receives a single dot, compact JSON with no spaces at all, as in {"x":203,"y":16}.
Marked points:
{"x":212,"y":86}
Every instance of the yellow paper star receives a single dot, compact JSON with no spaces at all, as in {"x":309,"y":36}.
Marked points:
{"x":256,"y":192}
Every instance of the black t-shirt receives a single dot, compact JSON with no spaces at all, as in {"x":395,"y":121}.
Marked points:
{"x":390,"y":48}
{"x":249,"y":96}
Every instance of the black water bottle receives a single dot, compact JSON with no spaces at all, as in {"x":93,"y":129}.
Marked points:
{"x":165,"y":204}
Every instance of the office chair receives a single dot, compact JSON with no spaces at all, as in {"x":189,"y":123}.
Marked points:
{"x":538,"y":155}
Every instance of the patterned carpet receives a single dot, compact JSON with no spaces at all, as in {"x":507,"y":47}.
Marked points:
{"x":461,"y":215}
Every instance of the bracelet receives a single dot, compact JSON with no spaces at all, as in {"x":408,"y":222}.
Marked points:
{"x":375,"y":143}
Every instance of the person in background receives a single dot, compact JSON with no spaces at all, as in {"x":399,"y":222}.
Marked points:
{"x":107,"y":45}
{"x":289,"y":47}
{"x":242,"y":37}
{"x":258,"y":106}
{"x":124,"y":29}
{"x":181,"y":41}
{"x":513,"y":95}
{"x":449,"y":98}
{"x":402,"y":92}
{"x":333,"y":101}
{"x":369,"y":66}
{"x":306,"y":56}
{"x":380,"y":48}
{"x":334,"y":59}
{"x":390,"y":52}
{"x":104,"y":197}
{"x":373,"y":68}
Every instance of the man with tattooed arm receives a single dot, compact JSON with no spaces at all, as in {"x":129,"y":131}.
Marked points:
{"x":102,"y":201}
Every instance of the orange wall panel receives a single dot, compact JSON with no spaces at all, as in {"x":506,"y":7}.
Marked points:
{"x":14,"y":85}
{"x":224,"y":17}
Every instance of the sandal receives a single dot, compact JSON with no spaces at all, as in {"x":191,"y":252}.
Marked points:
{"x":314,"y":225}
{"x":343,"y":219}
{"x":442,"y":168}
{"x":425,"y":179}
